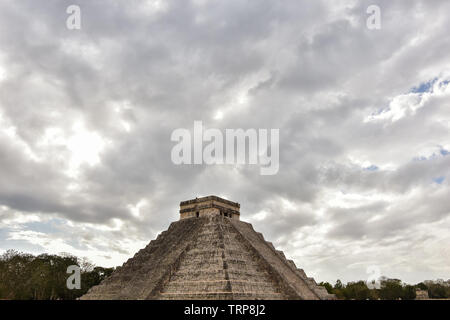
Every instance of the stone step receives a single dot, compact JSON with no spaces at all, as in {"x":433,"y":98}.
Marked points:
{"x":217,"y":274}
{"x":218,"y":286}
{"x":222,"y":296}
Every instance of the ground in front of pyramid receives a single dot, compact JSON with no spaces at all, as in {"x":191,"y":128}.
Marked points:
{"x":208,"y":254}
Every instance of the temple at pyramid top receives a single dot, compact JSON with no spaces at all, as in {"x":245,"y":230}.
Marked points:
{"x":209,"y":206}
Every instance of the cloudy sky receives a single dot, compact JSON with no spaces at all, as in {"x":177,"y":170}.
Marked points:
{"x":86,"y":118}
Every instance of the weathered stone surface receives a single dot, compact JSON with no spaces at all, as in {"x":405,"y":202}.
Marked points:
{"x":209,"y":257}
{"x":209,"y":206}
{"x":143,"y":275}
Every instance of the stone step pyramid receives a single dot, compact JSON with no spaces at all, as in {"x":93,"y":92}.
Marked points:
{"x":208,"y":254}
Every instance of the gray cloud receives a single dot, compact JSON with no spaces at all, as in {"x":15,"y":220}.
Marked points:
{"x":86,"y":118}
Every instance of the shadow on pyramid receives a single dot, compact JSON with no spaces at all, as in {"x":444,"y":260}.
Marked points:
{"x":208,"y":254}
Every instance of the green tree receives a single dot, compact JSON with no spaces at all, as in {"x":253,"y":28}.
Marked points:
{"x":356,"y":290}
{"x":409,"y":292}
{"x":43,"y":277}
{"x":421,"y":286}
{"x":338,"y":289}
{"x":391,"y":289}
{"x":327,"y":286}
{"x":94,"y":277}
{"x":438,"y":291}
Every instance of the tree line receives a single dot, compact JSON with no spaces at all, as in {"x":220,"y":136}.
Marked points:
{"x":44,"y":277}
{"x":25,"y":276}
{"x":388,"y":289}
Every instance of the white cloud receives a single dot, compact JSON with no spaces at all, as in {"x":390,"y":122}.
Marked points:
{"x":86,"y":117}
